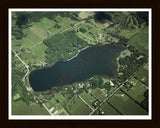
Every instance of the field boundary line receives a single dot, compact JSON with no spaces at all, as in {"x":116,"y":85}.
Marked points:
{"x":85,"y":102}
{"x":37,"y":44}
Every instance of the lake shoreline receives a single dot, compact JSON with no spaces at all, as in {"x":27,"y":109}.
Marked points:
{"x":84,"y":49}
{"x":67,"y":72}
{"x":77,"y":53}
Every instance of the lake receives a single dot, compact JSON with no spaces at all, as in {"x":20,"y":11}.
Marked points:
{"x":92,"y":61}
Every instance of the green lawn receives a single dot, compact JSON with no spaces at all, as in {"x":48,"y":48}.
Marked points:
{"x":125,"y":53}
{"x":17,"y":96}
{"x":125,"y":105}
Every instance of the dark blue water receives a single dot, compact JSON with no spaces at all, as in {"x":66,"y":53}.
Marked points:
{"x":91,"y":61}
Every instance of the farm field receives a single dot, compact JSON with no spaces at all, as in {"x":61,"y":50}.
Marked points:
{"x":21,"y":108}
{"x":136,"y":91}
{"x":142,"y":75}
{"x":140,"y":41}
{"x":108,"y":110}
{"x":78,"y":107}
{"x":98,"y":94}
{"x":87,"y":97}
{"x":129,"y":33}
{"x":125,"y":105}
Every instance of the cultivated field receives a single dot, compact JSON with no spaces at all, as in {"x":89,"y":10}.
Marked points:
{"x":88,"y":98}
{"x":140,"y":41}
{"x":78,"y":107}
{"x":125,"y":105}
{"x":137,"y":90}
{"x":142,"y":75}
{"x":108,"y":110}
{"x":98,"y":94}
{"x":21,"y":108}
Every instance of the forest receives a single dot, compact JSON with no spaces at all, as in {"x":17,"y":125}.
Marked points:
{"x":63,"y":46}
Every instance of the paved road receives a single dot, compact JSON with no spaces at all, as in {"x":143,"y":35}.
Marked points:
{"x":47,"y":109}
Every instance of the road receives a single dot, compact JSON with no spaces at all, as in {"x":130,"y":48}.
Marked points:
{"x":27,"y":67}
{"x":23,"y":63}
{"x":60,"y":32}
{"x":114,"y":92}
{"x":108,"y":97}
{"x":47,"y":109}
{"x":24,"y":80}
{"x":73,"y":26}
{"x":37,"y":44}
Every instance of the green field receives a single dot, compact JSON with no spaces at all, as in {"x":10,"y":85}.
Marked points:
{"x":136,"y":91}
{"x":21,"y":108}
{"x":87,"y":97}
{"x":125,"y":105}
{"x":98,"y":94}
{"x":44,"y":23}
{"x":77,"y":107}
{"x":129,"y":33}
{"x":140,"y":41}
{"x":108,"y":110}
{"x":142,"y":75}
{"x":84,"y":15}
{"x":30,"y":48}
